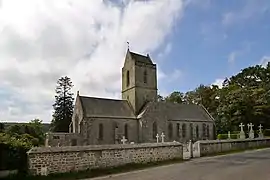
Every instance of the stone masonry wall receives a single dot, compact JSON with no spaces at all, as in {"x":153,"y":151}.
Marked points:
{"x":49,"y":160}
{"x":218,"y":146}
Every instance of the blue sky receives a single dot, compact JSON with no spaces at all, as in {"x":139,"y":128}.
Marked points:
{"x":192,"y":41}
{"x":206,"y":46}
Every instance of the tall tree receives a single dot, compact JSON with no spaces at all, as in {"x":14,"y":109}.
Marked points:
{"x":63,"y":106}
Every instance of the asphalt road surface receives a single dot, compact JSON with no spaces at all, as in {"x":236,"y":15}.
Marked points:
{"x":250,"y":165}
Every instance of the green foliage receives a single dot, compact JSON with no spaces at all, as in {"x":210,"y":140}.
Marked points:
{"x":32,"y":131}
{"x":266,"y":132}
{"x":63,"y":106}
{"x":13,"y":152}
{"x":225,"y":136}
{"x":176,"y":97}
{"x":2,"y":127}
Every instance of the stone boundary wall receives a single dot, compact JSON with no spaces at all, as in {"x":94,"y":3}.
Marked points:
{"x":218,"y":146}
{"x":49,"y":160}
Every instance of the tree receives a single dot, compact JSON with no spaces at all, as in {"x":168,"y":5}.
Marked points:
{"x":2,"y":127}
{"x":32,"y":130}
{"x":63,"y":106}
{"x":176,"y":97}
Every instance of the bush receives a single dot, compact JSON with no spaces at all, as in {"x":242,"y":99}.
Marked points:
{"x":266,"y":132}
{"x":13,"y":153}
{"x":225,"y":136}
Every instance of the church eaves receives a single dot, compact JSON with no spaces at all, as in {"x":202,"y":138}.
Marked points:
{"x":101,"y":107}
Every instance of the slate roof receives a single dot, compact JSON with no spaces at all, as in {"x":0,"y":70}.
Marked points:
{"x":141,"y":58}
{"x":175,"y":111}
{"x":101,"y":107}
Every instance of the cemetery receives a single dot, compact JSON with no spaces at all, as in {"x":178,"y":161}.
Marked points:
{"x":49,"y":160}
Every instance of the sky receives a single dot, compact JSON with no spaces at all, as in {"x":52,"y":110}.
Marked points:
{"x":192,"y":42}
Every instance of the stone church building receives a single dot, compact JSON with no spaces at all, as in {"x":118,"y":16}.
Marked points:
{"x":139,"y":116}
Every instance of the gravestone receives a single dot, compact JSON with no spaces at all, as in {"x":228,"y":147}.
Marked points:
{"x":124,"y":140}
{"x":242,"y":133}
{"x":157,"y":136}
{"x":162,"y":137}
{"x":251,"y":132}
{"x":260,"y":131}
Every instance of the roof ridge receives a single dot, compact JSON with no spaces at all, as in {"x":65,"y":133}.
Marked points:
{"x":92,"y":97}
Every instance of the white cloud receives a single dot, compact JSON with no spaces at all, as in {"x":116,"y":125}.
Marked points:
{"x":218,"y":82}
{"x":232,"y":56}
{"x":86,"y":40}
{"x":265,"y":60}
{"x":251,"y":10}
{"x":239,"y":52}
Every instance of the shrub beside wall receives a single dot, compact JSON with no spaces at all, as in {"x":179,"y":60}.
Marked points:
{"x":13,"y":153}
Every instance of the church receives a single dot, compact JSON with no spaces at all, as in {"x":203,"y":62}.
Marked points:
{"x":138,"y":117}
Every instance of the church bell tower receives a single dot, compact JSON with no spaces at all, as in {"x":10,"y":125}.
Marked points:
{"x":139,"y":80}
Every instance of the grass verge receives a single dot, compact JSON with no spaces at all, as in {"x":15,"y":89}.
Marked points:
{"x":94,"y":172}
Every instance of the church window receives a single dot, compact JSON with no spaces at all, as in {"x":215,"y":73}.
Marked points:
{"x":191,"y":130}
{"x":170,"y":130}
{"x":128,"y":78}
{"x":204,"y":130}
{"x":145,"y":76}
{"x":197,"y":131}
{"x":178,"y":129}
{"x":207,"y":131}
{"x":100,"y":131}
{"x":126,"y":131}
{"x":154,"y":130}
{"x":184,"y":129}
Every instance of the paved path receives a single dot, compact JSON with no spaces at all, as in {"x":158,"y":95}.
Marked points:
{"x":251,"y":165}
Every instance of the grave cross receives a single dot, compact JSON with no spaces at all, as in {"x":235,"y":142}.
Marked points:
{"x":162,"y":137}
{"x":241,"y":126}
{"x":260,"y":126}
{"x":157,"y":136}
{"x":124,"y":140}
{"x":250,"y":126}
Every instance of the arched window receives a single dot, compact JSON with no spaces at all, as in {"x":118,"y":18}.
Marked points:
{"x":128,"y":80}
{"x":154,"y":130}
{"x":178,"y":130}
{"x":126,"y":131}
{"x":100,"y":132}
{"x":145,"y":76}
{"x":170,"y":130}
{"x":184,"y":129}
{"x":197,"y":131}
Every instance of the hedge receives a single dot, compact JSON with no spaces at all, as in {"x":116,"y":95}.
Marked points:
{"x":13,"y":157}
{"x":13,"y":153}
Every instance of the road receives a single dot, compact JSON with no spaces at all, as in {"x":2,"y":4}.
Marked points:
{"x":250,"y":165}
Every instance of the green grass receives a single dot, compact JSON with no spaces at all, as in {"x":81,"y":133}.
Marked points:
{"x":95,"y":172}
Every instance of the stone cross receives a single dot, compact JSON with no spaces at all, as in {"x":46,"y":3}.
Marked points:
{"x":250,"y":126}
{"x":242,"y":133}
{"x":241,"y":126}
{"x":157,"y":136}
{"x":260,"y":126}
{"x":124,"y":140}
{"x":162,"y":137}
